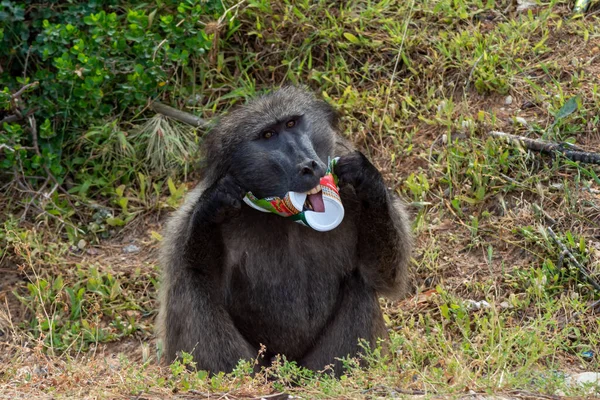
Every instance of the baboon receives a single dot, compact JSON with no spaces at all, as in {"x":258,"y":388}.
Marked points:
{"x":234,"y":278}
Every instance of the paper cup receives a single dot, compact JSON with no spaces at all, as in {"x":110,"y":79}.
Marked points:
{"x":334,"y":210}
{"x":292,"y":204}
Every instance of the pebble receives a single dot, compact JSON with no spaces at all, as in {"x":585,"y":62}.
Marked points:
{"x":81,"y":244}
{"x":477,"y":305}
{"x":508,"y":101}
{"x":442,"y":106}
{"x":520,"y":121}
{"x":131,"y":248}
{"x":40,"y":370}
{"x":524,"y":5}
{"x":527,"y":104}
{"x":586,"y":379}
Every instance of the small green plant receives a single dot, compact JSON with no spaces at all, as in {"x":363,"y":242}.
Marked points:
{"x":96,"y":308}
{"x":94,"y":60}
{"x":165,"y":145}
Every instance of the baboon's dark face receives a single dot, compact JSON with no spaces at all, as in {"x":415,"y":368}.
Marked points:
{"x":288,"y":154}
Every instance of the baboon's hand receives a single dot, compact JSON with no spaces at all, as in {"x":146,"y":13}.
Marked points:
{"x":356,"y":170}
{"x":221,"y":201}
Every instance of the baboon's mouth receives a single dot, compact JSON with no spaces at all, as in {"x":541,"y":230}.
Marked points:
{"x":314,"y":200}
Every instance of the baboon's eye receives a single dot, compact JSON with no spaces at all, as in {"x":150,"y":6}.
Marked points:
{"x":268,"y":134}
{"x":291,"y":123}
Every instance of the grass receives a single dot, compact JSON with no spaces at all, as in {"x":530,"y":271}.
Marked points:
{"x":77,"y":317}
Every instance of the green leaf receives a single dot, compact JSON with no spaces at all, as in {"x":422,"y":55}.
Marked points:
{"x":156,"y":236}
{"x":172,"y":188}
{"x":46,"y":131}
{"x":115,"y":221}
{"x":568,"y":108}
{"x":123,"y":201}
{"x":445,"y":311}
{"x":351,"y":38}
{"x":57,"y":284}
{"x":120,"y":190}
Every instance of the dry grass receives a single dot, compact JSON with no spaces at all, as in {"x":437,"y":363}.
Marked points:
{"x":481,"y":209}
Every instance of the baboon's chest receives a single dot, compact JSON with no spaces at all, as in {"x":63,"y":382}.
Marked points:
{"x":282,"y":279}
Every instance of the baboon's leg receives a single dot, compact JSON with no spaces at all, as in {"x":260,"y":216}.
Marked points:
{"x":197,"y":324}
{"x":358,"y":317}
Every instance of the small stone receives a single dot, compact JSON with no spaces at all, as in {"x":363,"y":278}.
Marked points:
{"x":81,"y":244}
{"x":524,"y":5}
{"x":521,"y":121}
{"x":477,"y":305}
{"x":466,"y":125}
{"x":586,"y":379}
{"x":444,"y":138}
{"x":508,"y":100}
{"x":504,"y":305}
{"x":527,"y":104}
{"x":40,"y":371}
{"x":442,"y":106}
{"x":131,"y":248}
{"x":596,"y":50}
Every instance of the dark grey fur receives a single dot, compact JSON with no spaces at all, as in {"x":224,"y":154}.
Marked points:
{"x":235,"y":278}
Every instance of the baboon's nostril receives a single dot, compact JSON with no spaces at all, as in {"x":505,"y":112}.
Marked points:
{"x":308,"y":167}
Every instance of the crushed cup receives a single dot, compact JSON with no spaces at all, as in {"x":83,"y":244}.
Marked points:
{"x":297,"y":206}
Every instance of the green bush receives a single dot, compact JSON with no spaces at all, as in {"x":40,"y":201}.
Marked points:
{"x":95,"y":62}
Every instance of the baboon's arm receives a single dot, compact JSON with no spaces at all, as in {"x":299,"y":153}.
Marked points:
{"x":194,"y":319}
{"x":384,"y":246}
{"x":384,"y":237}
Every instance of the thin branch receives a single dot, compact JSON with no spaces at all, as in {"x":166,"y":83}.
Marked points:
{"x":5,"y":146}
{"x":17,"y":117}
{"x":274,"y":396}
{"x":18,"y":93}
{"x":32,"y":199}
{"x":10,"y":119}
{"x":546,"y":147}
{"x":179,"y":115}
{"x":584,"y":271}
{"x":26,"y":62}
{"x":34,"y":138}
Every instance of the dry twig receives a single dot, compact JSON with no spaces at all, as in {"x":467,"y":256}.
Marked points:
{"x":570,"y":152}
{"x":179,"y":115}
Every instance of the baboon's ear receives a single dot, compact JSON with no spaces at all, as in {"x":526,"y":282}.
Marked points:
{"x":332,"y":114}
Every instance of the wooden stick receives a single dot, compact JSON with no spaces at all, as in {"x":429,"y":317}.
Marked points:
{"x":179,"y":115}
{"x":550,"y":148}
{"x":24,"y":88}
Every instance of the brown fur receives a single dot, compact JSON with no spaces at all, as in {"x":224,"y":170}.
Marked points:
{"x":257,"y":278}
